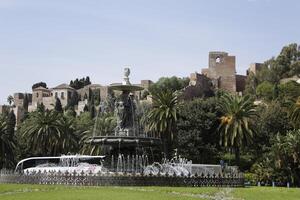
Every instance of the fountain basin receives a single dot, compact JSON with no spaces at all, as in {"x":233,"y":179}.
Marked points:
{"x":128,"y":88}
{"x":127,"y":140}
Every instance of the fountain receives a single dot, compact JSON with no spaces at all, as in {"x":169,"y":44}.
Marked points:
{"x":127,"y":143}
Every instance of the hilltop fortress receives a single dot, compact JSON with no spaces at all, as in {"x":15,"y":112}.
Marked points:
{"x":220,"y":74}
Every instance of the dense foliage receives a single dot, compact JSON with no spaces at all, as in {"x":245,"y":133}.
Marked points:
{"x":169,"y":84}
{"x":197,"y":137}
{"x":39,"y":84}
{"x":80,"y":83}
{"x":162,"y":117}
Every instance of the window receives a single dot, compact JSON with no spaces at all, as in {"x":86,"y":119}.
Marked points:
{"x":62,"y":95}
{"x":218,"y":59}
{"x":56,"y":95}
{"x":37,"y":95}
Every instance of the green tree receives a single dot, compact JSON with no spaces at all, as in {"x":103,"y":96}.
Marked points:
{"x":42,"y":132}
{"x":7,"y":143}
{"x":10,"y":99}
{"x":41,"y":107}
{"x":39,"y":84}
{"x":70,"y":113}
{"x":286,"y":154}
{"x":236,"y":128}
{"x":271,"y":119}
{"x":84,"y":122}
{"x":80,"y":83}
{"x":73,"y":101}
{"x":11,"y":123}
{"x":251,"y":84}
{"x":69,"y":136}
{"x":289,"y":91}
{"x":197,"y":124}
{"x":295,"y":113}
{"x":26,"y":102}
{"x":162,"y":117}
{"x":58,"y":106}
{"x":92,"y":108}
{"x":265,"y":91}
{"x":165,"y":83}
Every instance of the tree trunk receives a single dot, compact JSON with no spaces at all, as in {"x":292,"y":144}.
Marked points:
{"x":165,"y":145}
{"x":237,"y":156}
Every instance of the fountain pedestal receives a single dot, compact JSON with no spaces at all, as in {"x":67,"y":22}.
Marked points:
{"x":127,"y":138}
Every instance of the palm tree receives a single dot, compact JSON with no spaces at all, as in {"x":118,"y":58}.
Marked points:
{"x":42,"y":131}
{"x":69,"y":137}
{"x":295,"y":113}
{"x":10,"y":99}
{"x":162,"y":117}
{"x":8,"y":145}
{"x":235,"y":126}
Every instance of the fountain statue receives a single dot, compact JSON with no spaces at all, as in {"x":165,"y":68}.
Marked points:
{"x":127,"y":139}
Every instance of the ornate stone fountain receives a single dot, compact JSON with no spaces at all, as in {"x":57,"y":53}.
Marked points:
{"x":127,"y":133}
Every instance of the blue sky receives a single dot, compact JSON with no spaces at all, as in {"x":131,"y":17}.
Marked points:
{"x":58,"y":40}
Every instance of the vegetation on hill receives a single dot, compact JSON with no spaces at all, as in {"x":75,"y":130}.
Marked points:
{"x":80,"y":83}
{"x":39,"y":84}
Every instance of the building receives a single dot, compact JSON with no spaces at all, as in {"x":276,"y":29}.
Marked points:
{"x":63,"y":92}
{"x":200,"y":86}
{"x":254,"y":68}
{"x":47,"y":97}
{"x":222,"y":72}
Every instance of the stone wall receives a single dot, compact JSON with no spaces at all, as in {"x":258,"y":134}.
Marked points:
{"x":240,"y":83}
{"x":254,"y":68}
{"x":19,"y":113}
{"x":18,"y":99}
{"x":221,"y":64}
{"x":49,"y":102}
{"x":222,"y":72}
{"x":199,"y":86}
{"x":80,"y":107}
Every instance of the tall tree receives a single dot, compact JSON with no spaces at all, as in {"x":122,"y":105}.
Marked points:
{"x":58,"y":106}
{"x":7,"y":145}
{"x":49,"y":133}
{"x":11,"y":123}
{"x":42,"y":132}
{"x":162,"y":117}
{"x":73,"y":101}
{"x":286,"y":154}
{"x":295,"y":113}
{"x":41,"y":107}
{"x":236,"y":128}
{"x":10,"y":99}
{"x":26,"y":102}
{"x":196,"y":132}
{"x":169,"y":83}
{"x":40,"y":84}
{"x":80,"y":83}
{"x":87,"y":81}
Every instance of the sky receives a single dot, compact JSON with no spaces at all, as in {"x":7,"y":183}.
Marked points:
{"x":56,"y":41}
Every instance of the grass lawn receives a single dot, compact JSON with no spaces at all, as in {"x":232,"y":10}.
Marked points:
{"x":41,"y":192}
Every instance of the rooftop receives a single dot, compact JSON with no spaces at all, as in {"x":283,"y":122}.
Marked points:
{"x":63,"y":86}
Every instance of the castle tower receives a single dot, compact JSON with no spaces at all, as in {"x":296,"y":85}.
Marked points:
{"x":221,"y":69}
